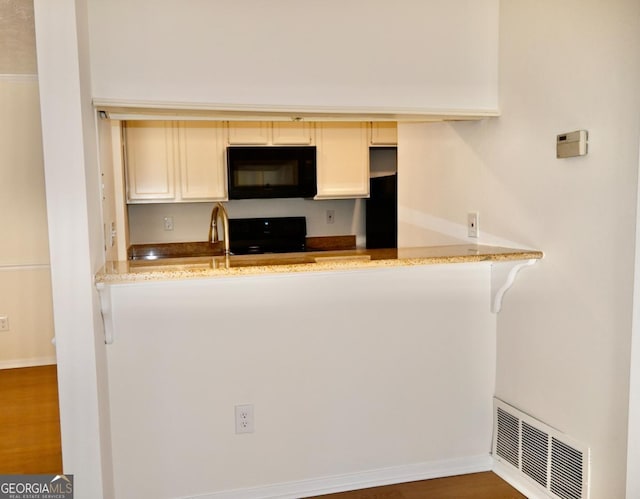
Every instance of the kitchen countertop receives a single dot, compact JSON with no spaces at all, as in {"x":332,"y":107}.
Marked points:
{"x":163,"y":269}
{"x":204,"y":248}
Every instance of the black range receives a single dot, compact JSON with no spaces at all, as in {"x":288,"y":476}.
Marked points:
{"x":267,"y":235}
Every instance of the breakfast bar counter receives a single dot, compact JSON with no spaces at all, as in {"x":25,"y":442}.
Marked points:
{"x":314,"y":261}
{"x":313,"y":334}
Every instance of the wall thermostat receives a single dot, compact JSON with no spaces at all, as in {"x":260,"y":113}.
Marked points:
{"x":572,"y":144}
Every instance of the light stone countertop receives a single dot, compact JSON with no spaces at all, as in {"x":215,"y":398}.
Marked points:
{"x":318,"y":261}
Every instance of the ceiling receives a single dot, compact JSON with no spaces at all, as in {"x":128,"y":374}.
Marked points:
{"x":17,"y":37}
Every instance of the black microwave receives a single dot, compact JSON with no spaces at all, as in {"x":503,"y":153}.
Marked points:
{"x":271,"y":172}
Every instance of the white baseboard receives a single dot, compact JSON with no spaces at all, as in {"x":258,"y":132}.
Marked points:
{"x":18,"y":77}
{"x":360,"y":480}
{"x":35,"y":362}
{"x":518,"y":482}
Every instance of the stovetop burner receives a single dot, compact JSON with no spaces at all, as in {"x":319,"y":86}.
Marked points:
{"x":267,"y":235}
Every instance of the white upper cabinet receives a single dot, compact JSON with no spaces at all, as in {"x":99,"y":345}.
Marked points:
{"x":292,"y":133}
{"x":150,"y":160}
{"x":174,"y":161}
{"x":202,"y":163}
{"x":343,"y":160}
{"x":184,"y":161}
{"x":249,"y":132}
{"x":278,"y":133}
{"x":384,"y":133}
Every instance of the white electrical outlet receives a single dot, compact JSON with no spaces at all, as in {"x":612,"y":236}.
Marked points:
{"x":472,"y":224}
{"x":4,"y":323}
{"x":331,"y":216}
{"x":244,"y":419}
{"x":112,"y":234}
{"x":168,"y":223}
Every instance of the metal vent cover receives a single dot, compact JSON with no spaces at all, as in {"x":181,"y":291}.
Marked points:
{"x":535,"y":451}
{"x":566,"y":466}
{"x":508,"y":437}
{"x":547,"y":458}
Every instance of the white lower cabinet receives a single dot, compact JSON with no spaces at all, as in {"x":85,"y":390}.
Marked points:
{"x":175,"y":161}
{"x":343,"y":160}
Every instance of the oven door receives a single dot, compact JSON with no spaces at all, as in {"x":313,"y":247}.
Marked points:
{"x":267,"y":235}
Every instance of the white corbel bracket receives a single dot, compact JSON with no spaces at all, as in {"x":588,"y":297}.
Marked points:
{"x":104,"y":291}
{"x":503,"y":275}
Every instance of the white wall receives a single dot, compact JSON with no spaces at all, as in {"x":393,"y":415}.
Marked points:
{"x":191,"y":220}
{"x":25,"y":287}
{"x":408,"y":54}
{"x":72,"y":181}
{"x":112,"y":189}
{"x":564,"y":331}
{"x":633,"y":436}
{"x":359,"y":374}
{"x":161,"y":51}
{"x":22,"y":196}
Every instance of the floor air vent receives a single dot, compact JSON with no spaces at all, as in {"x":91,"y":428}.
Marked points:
{"x":549,"y":460}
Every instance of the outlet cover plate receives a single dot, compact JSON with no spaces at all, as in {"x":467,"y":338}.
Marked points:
{"x":244,"y":419}
{"x":472,"y":224}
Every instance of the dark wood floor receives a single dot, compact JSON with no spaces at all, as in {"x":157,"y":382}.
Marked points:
{"x":30,"y":444}
{"x":29,"y":421}
{"x":473,"y":486}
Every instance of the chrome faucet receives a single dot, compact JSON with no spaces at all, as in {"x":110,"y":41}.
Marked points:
{"x":214,"y":235}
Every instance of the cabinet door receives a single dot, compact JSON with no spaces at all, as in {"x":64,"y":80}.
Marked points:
{"x":292,"y":133}
{"x":202,"y":166}
{"x":343,"y":160}
{"x":249,"y":132}
{"x":150,"y":160}
{"x":384,"y":133}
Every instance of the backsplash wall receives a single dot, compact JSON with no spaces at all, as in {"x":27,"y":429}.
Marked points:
{"x":191,"y":220}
